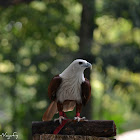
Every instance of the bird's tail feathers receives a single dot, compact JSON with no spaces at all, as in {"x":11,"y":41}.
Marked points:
{"x":51,"y":110}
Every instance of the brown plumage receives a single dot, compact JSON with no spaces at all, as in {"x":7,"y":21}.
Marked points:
{"x":86,"y":91}
{"x":67,"y":104}
{"x":53,"y":87}
{"x":51,"y":110}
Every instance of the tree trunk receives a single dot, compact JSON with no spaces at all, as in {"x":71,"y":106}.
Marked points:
{"x":85,"y":44}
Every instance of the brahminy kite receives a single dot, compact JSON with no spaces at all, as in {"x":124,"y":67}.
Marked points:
{"x":67,"y":90}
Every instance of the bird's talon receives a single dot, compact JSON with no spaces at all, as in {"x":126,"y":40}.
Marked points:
{"x":79,"y":118}
{"x":60,"y":119}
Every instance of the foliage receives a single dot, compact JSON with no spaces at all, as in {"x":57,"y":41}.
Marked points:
{"x":34,"y":39}
{"x":116,"y":76}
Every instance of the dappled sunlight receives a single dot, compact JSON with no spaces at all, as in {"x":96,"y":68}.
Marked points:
{"x":25,"y":94}
{"x":38,"y":5}
{"x":43,"y":67}
{"x":24,"y":52}
{"x":4,"y":42}
{"x":6,"y":66}
{"x":30,"y":79}
{"x":71,"y":41}
{"x":41,"y":104}
{"x":73,"y":13}
{"x":26,"y":62}
{"x":113,"y":30}
{"x":136,"y":34}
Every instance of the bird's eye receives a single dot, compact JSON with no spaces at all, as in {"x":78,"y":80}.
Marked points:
{"x":80,"y":63}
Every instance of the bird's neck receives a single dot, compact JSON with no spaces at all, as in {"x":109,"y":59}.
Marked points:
{"x":67,"y":74}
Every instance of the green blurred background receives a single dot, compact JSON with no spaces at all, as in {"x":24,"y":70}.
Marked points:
{"x":39,"y":39}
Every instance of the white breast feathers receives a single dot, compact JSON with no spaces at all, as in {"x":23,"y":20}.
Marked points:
{"x":70,"y":89}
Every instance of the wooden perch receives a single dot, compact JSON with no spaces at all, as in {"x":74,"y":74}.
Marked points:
{"x":67,"y":137}
{"x":83,"y":128}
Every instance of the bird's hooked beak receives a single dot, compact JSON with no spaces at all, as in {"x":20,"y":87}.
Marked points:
{"x":87,"y":65}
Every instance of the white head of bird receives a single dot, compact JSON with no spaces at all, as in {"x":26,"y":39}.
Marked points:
{"x":77,"y":67}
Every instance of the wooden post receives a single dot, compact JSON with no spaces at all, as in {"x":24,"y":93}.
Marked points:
{"x":83,"y":130}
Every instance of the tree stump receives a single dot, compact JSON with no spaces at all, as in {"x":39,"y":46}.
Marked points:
{"x":73,"y":130}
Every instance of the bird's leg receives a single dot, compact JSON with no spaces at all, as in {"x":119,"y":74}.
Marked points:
{"x":62,"y":115}
{"x":78,"y":111}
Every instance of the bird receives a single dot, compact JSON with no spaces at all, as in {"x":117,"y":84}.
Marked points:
{"x":68,"y":90}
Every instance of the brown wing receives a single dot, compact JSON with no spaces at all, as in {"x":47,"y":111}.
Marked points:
{"x":86,"y":91}
{"x":54,"y":86}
